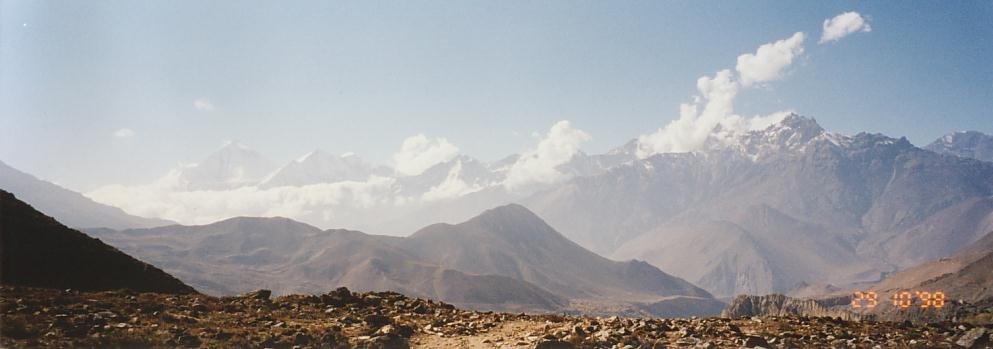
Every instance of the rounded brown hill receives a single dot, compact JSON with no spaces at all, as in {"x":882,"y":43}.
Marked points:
{"x":39,"y":251}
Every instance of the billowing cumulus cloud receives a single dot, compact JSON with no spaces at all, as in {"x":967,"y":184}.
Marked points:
{"x":843,"y":25}
{"x":713,"y":106}
{"x":203,"y":104}
{"x":124,"y":133}
{"x":452,"y":187}
{"x":769,"y":61}
{"x":538,"y":165}
{"x":418,"y":153}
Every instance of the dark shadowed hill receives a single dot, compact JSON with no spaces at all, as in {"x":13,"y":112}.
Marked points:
{"x":39,"y":251}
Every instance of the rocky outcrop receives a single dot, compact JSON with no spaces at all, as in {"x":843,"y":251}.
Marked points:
{"x":781,"y":305}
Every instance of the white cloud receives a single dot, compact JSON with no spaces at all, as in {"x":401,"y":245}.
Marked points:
{"x":734,"y":125}
{"x":312,"y":203}
{"x":713,"y":106}
{"x":452,"y":187}
{"x":418,"y":153}
{"x":538,"y":166}
{"x":124,"y":133}
{"x":761,"y":122}
{"x":843,"y":25}
{"x":769,"y":61}
{"x":694,"y":126}
{"x":203,"y":104}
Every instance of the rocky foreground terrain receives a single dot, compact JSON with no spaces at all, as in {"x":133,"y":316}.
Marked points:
{"x":33,"y":317}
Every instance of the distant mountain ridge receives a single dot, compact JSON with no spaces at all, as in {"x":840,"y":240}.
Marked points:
{"x":232,"y":166}
{"x":755,"y":212}
{"x":504,"y":259}
{"x":777,"y":207}
{"x":966,"y":144}
{"x":69,"y":207}
{"x":38,"y":251}
{"x":321,"y":167}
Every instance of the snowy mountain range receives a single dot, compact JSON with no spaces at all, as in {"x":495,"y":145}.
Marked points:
{"x":966,"y":144}
{"x":321,"y":167}
{"x":232,"y":166}
{"x":756,"y":212}
{"x":786,"y":205}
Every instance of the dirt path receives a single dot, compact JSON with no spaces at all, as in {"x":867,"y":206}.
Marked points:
{"x":510,"y":334}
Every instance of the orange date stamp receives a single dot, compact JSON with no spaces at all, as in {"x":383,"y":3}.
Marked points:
{"x":901,"y":299}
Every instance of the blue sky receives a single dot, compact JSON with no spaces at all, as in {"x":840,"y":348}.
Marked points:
{"x":285,"y":78}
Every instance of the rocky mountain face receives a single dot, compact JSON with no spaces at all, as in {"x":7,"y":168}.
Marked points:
{"x":39,"y":251}
{"x":781,"y":305}
{"x":778,"y":207}
{"x":69,"y":207}
{"x":966,"y":144}
{"x":505,"y":259}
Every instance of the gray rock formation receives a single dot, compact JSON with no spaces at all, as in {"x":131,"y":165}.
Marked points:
{"x":781,"y":305}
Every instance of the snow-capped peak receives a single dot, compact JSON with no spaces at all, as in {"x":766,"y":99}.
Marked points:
{"x":233,"y":165}
{"x":969,"y":144}
{"x":308,"y":156}
{"x":234,"y":146}
{"x":789,"y":134}
{"x":319,"y":166}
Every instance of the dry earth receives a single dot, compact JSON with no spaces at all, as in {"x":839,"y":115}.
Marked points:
{"x":51,"y":318}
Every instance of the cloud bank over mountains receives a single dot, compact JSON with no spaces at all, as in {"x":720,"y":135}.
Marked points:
{"x":323,"y":189}
{"x":237,"y":181}
{"x":540,"y":165}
